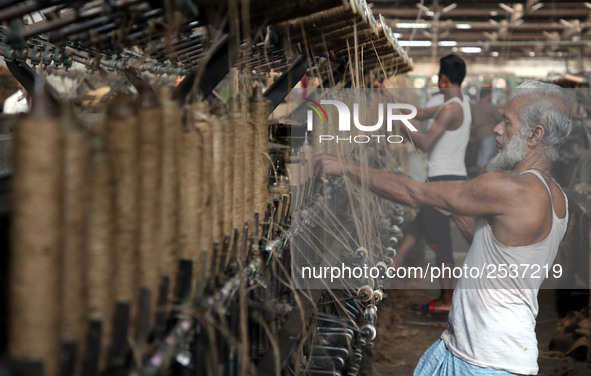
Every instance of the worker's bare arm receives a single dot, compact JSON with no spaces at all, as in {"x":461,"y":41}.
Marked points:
{"x":488,"y":194}
{"x":444,"y":120}
{"x":426,"y":113}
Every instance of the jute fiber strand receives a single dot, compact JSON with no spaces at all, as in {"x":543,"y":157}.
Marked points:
{"x":320,"y":128}
{"x":188,"y":173}
{"x":239,"y":162}
{"x":100,"y":256}
{"x":293,"y":170}
{"x":169,"y":191}
{"x":259,"y":110}
{"x":309,"y":155}
{"x":218,"y":178}
{"x":36,"y":227}
{"x":229,"y":142}
{"x":75,"y":198}
{"x":249,"y":157}
{"x":202,"y":122}
{"x":121,"y":132}
{"x":150,"y":135}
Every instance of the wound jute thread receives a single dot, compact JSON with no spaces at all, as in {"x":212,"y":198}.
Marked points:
{"x":169,"y":191}
{"x":202,"y":122}
{"x":293,"y":170}
{"x":150,"y":118}
{"x":99,"y":257}
{"x":122,"y":135}
{"x":320,"y":128}
{"x":309,"y":155}
{"x":229,"y":147}
{"x":75,"y":198}
{"x":249,"y":155}
{"x":36,"y":221}
{"x":239,"y":163}
{"x":218,"y":178}
{"x":259,"y":109}
{"x":189,"y":190}
{"x":221,"y":152}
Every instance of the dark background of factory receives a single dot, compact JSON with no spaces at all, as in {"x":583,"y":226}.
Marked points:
{"x":153,"y":191}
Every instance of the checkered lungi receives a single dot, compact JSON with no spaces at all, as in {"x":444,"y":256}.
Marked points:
{"x":439,"y":361}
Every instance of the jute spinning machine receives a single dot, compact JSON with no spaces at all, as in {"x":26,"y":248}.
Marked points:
{"x":155,"y":238}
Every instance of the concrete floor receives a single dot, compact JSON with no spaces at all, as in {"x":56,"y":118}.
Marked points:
{"x":404,"y":334}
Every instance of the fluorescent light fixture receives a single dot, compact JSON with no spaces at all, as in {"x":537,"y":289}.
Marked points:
{"x":397,"y":35}
{"x":532,"y":54}
{"x":448,"y":43}
{"x":494,"y":13}
{"x":429,"y":13}
{"x":413,"y":25}
{"x":415,"y":43}
{"x":471,"y":50}
{"x":463,"y":26}
{"x":494,"y":54}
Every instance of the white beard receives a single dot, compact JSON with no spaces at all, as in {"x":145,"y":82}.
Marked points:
{"x":508,"y":158}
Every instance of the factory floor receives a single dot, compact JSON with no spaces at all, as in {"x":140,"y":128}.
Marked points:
{"x":404,"y":334}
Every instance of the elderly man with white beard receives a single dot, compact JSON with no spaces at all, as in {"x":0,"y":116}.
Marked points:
{"x":513,"y":215}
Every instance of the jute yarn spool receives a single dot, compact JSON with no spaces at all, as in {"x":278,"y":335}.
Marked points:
{"x":293,"y":170}
{"x":249,"y":157}
{"x":259,"y":110}
{"x":309,"y":155}
{"x":320,"y":128}
{"x":75,"y":198}
{"x":169,"y":192}
{"x":100,"y":231}
{"x":229,"y":142}
{"x":150,"y":135}
{"x":188,"y":173}
{"x":122,"y":135}
{"x":237,"y":119}
{"x":218,"y":179}
{"x":36,"y":223}
{"x":202,"y":122}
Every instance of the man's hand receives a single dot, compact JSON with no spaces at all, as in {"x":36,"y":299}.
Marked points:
{"x":327,"y":164}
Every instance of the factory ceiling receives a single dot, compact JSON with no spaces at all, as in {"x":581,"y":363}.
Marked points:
{"x":490,"y":30}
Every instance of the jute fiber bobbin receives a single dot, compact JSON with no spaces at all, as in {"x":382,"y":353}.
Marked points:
{"x":75,"y":198}
{"x":150,"y":135}
{"x":249,"y":156}
{"x":202,"y":122}
{"x":239,"y":163}
{"x":36,"y":227}
{"x":293,"y":170}
{"x":259,"y":109}
{"x":122,"y":135}
{"x":218,"y":153}
{"x":309,"y":155}
{"x":320,"y":128}
{"x":188,"y":173}
{"x":100,"y":231}
{"x":229,"y":142}
{"x":169,"y":192}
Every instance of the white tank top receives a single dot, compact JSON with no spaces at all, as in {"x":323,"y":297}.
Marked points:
{"x":492,"y":322}
{"x":447,"y":156}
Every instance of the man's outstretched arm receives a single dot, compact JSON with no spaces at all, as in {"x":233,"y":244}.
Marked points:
{"x":488,"y":194}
